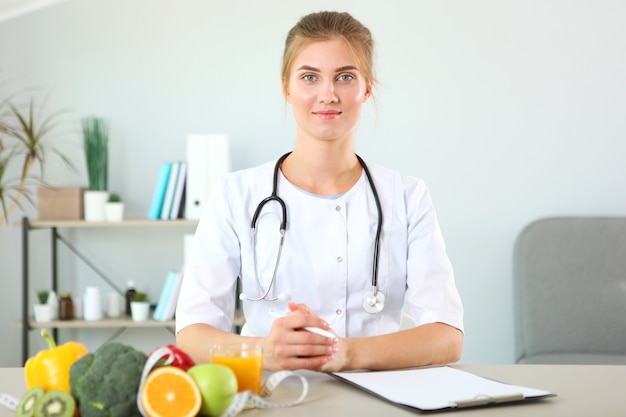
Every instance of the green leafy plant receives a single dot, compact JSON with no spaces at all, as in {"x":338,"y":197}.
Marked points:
{"x":42,"y":296}
{"x":140,"y":296}
{"x":114,"y":198}
{"x":27,"y":138}
{"x":96,"y":144}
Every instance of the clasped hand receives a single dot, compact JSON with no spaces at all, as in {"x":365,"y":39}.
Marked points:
{"x":289,"y":346}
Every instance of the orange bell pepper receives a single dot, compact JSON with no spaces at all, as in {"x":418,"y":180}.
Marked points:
{"x":50,"y":369}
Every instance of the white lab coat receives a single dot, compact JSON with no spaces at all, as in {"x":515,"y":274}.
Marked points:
{"x":326,"y":260}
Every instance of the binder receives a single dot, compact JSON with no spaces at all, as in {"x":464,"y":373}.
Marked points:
{"x":159,"y":191}
{"x":438,"y":388}
{"x":208,"y":158}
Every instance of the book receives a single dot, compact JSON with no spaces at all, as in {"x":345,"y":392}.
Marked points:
{"x":169,"y":191}
{"x":179,"y":193}
{"x":159,"y":191}
{"x":166,"y":292}
{"x":172,"y":300}
{"x":168,"y":298}
{"x":180,"y":214}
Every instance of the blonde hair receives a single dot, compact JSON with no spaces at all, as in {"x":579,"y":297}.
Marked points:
{"x":324,"y":26}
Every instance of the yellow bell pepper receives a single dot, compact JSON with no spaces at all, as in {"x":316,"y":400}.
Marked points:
{"x":50,"y":369}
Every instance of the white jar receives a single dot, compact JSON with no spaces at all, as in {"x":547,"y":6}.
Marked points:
{"x":114,"y":305}
{"x":53,"y":302}
{"x":92,"y":304}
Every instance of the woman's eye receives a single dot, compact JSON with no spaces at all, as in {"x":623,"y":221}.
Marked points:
{"x":309,"y":77}
{"x":345,"y":77}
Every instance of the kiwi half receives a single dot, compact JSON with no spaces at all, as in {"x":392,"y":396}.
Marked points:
{"x":55,"y":403}
{"x":26,"y":406}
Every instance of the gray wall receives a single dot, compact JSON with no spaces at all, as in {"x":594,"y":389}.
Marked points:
{"x":510,"y":110}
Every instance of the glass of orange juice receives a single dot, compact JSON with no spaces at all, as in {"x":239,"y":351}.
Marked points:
{"x":246,"y":361}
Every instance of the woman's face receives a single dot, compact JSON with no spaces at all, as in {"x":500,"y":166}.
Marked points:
{"x":326,"y":91}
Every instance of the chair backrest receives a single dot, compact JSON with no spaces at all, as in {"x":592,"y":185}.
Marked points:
{"x":570,"y":291}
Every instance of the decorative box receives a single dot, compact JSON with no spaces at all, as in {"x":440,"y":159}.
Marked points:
{"x":60,"y":203}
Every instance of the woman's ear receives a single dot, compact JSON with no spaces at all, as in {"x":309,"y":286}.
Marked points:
{"x":286,"y":91}
{"x":368,"y":92}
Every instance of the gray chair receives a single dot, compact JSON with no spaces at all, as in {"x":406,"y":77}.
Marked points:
{"x":570,"y":291}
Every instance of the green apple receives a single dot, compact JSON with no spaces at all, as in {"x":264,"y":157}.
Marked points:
{"x":218,"y":386}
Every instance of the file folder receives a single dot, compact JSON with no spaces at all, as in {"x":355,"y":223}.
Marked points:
{"x":438,"y":388}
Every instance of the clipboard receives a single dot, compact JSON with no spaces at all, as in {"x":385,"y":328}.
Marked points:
{"x":438,"y":388}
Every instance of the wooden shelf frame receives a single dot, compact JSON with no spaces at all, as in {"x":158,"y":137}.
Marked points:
{"x":27,"y":323}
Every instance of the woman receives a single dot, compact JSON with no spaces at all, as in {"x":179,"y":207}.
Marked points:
{"x":329,"y":273}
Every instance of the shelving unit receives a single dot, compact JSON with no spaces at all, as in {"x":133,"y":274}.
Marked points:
{"x":27,"y":323}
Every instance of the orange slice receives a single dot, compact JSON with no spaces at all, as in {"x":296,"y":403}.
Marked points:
{"x":170,"y":392}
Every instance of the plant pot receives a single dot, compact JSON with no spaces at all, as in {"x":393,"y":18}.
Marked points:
{"x":43,"y":312}
{"x":95,"y":202}
{"x":114,"y":212}
{"x":140,"y":310}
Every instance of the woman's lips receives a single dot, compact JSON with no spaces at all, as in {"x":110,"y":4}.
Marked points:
{"x":327,"y":114}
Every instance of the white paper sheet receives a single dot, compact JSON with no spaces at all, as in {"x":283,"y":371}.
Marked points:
{"x":438,"y":388}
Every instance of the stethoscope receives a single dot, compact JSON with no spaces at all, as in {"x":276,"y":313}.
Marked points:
{"x":373,"y":301}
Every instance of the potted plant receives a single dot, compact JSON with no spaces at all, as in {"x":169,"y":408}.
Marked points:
{"x":27,"y":140}
{"x":43,"y":310}
{"x":140,"y":307}
{"x":96,"y":146}
{"x":114,"y":208}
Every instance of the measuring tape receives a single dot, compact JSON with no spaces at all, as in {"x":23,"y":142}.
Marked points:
{"x":9,"y":401}
{"x":246,"y":399}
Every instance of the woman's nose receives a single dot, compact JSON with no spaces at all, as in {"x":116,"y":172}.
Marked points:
{"x":327,"y":93}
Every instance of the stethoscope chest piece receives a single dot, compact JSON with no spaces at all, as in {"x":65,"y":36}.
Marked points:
{"x":373,"y":302}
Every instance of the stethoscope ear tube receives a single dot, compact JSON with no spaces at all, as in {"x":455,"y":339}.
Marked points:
{"x":257,"y":213}
{"x":273,"y":197}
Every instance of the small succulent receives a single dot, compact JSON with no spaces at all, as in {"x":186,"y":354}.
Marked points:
{"x":42,"y":296}
{"x":114,"y":198}
{"x":140,"y":296}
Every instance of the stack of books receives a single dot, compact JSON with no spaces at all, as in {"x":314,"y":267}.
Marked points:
{"x":166,"y":305}
{"x":168,"y":199}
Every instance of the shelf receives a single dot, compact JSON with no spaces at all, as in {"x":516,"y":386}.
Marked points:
{"x":121,"y":322}
{"x":124,"y":223}
{"x":117,"y":323}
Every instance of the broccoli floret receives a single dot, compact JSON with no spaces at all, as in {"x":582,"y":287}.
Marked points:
{"x":105,"y":383}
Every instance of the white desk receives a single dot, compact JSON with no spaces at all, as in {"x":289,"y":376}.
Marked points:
{"x":582,"y":390}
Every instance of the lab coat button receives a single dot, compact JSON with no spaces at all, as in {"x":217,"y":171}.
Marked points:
{"x":338,"y":208}
{"x":339,"y":259}
{"x":338,"y":311}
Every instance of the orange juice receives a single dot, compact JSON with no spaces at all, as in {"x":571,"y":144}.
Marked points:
{"x":245,"y":360}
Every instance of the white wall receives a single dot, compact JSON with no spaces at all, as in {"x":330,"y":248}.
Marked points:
{"x":510,"y":110}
